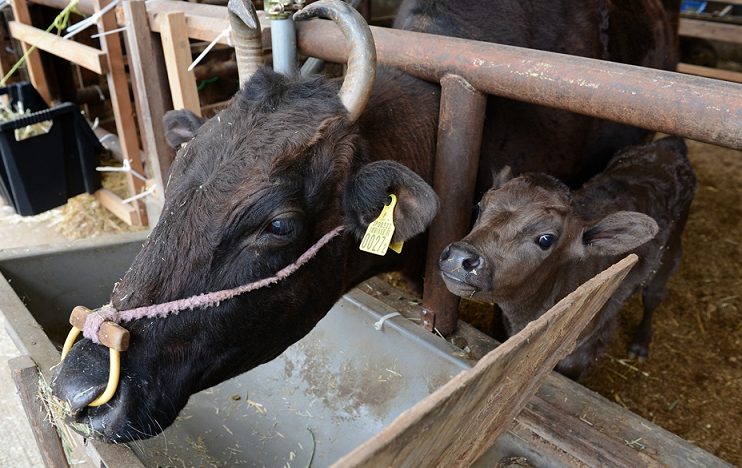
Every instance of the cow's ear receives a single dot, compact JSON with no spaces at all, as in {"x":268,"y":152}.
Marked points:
{"x":618,"y":233}
{"x":180,"y":125}
{"x":368,"y":191}
{"x":501,"y":178}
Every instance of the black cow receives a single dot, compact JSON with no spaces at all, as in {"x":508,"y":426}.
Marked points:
{"x":286,"y":162}
{"x":535,"y":242}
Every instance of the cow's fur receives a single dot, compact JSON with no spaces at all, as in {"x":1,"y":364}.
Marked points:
{"x":284,"y":152}
{"x":638,"y":204}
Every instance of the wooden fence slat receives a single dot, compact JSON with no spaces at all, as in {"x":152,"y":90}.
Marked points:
{"x":456,"y":424}
{"x":145,"y":78}
{"x":33,"y":61}
{"x":81,"y":54}
{"x":711,"y":30}
{"x":122,"y":108}
{"x":26,"y":378}
{"x":716,"y":73}
{"x":178,"y":58}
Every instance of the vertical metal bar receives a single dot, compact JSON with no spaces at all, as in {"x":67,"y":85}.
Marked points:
{"x":283,"y":38}
{"x":456,"y":161}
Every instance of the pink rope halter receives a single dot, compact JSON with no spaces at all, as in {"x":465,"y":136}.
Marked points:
{"x":109,"y":313}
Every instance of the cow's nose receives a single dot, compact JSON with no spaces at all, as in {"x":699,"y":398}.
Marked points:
{"x":459,"y":259}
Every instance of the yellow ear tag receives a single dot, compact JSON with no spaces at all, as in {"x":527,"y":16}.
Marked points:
{"x":379,"y":233}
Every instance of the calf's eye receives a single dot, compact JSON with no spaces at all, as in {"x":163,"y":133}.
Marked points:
{"x":284,"y":227}
{"x":545,"y":241}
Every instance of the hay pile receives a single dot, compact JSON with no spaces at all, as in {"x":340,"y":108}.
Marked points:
{"x":83,"y":217}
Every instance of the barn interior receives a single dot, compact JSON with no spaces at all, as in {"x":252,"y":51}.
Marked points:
{"x":690,"y":386}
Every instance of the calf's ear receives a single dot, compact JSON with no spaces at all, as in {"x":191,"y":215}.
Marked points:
{"x":501,"y":178}
{"x":368,"y":191}
{"x":180,"y":125}
{"x":618,"y":233}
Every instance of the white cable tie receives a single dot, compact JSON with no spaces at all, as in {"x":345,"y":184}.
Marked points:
{"x":141,"y":195}
{"x":102,"y":98}
{"x":222,"y":34}
{"x":108,"y":135}
{"x":126,"y":168}
{"x":113,"y":31}
{"x":89,"y":21}
{"x":380,"y":324}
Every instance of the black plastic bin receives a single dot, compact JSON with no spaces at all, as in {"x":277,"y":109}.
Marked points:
{"x":43,"y":171}
{"x":24,"y":93}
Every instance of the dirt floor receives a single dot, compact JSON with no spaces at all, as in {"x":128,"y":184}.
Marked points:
{"x":692,"y":382}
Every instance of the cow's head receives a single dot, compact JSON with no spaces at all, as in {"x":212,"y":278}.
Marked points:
{"x":250,"y":191}
{"x":527,"y":228}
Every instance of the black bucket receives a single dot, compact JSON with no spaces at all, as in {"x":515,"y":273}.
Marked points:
{"x":41,"y":172}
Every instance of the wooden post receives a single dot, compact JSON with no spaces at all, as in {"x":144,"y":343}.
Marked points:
{"x":176,"y":47}
{"x":147,"y":85}
{"x":122,"y":108}
{"x":26,"y":378}
{"x":462,"y":419}
{"x":33,"y":62}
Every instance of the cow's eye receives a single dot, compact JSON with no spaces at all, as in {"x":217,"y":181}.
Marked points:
{"x":285,"y":226}
{"x":545,"y":241}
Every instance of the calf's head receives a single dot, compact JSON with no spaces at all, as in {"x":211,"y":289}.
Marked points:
{"x":526,"y":230}
{"x":250,"y":191}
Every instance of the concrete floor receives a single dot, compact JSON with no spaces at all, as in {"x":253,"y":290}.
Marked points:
{"x":17,"y":445}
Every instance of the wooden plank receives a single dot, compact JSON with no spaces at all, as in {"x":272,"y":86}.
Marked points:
{"x":605,"y":417}
{"x":710,"y":72}
{"x":33,"y":61}
{"x":26,"y":378}
{"x":145,"y":78}
{"x":122,"y":109}
{"x":85,"y":56}
{"x":205,"y":22}
{"x":456,"y":424}
{"x":112,"y":203}
{"x":177,"y":49}
{"x":710,"y":30}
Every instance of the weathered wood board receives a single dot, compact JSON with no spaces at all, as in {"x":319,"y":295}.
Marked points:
{"x":456,"y":424}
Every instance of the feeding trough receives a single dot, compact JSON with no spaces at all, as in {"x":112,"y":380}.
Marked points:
{"x":353,"y":391}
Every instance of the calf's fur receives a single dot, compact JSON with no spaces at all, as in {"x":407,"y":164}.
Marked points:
{"x":535,"y":241}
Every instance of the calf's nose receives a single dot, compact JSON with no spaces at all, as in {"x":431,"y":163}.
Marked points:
{"x":458,"y":260}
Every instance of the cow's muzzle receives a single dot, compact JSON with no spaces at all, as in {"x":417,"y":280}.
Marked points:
{"x":463,"y":270}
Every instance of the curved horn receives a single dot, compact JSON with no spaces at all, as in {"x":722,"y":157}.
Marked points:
{"x":359,"y":80}
{"x":247,"y":37}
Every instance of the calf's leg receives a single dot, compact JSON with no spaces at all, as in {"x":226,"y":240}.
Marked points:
{"x":656,"y":291}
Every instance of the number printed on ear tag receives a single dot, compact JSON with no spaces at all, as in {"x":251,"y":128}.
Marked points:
{"x":379,"y":233}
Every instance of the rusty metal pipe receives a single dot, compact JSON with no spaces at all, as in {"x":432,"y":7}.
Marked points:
{"x":699,"y":108}
{"x":360,"y":50}
{"x":247,"y":37}
{"x":456,"y":161}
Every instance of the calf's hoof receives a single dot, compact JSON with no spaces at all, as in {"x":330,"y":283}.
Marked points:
{"x":639,"y":353}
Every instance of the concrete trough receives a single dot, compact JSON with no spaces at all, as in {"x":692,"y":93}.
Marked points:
{"x":326,"y":394}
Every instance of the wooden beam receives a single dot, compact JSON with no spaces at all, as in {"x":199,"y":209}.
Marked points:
{"x":145,"y":78}
{"x":122,"y":108}
{"x":85,"y":56}
{"x":177,"y":49}
{"x":711,"y":30}
{"x":26,"y":377}
{"x":456,"y":424}
{"x":710,"y":72}
{"x":33,"y":61}
{"x":112,"y":203}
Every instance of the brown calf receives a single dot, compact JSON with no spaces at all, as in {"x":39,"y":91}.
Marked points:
{"x":535,"y":241}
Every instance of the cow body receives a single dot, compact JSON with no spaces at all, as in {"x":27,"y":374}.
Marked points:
{"x":282,"y":165}
{"x":536,"y":241}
